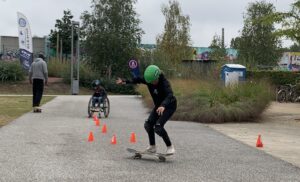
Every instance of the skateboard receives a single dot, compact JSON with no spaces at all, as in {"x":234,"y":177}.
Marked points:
{"x":37,"y":110}
{"x":139,"y":154}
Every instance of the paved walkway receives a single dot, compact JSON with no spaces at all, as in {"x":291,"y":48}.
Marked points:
{"x":53,"y":146}
{"x":279,"y":128}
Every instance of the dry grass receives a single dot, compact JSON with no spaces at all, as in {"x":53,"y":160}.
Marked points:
{"x":58,"y":68}
{"x":210,"y":102}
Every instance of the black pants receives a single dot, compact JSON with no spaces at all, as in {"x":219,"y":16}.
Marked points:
{"x":155,"y":124}
{"x":37,"y":91}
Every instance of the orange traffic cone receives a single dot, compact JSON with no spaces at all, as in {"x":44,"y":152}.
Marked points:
{"x":95,"y":117}
{"x":91,"y":137}
{"x":97,"y":122}
{"x":259,"y":142}
{"x":104,"y":129}
{"x":132,"y":138}
{"x":114,"y":140}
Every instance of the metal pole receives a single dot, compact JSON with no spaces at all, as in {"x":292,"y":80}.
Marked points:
{"x":78,"y":52}
{"x":72,"y":54}
{"x":57,"y":45}
{"x":61,"y":50}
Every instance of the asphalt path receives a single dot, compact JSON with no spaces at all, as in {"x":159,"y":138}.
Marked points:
{"x":53,"y":146}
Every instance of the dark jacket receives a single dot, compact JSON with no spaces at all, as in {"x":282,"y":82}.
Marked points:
{"x":99,"y":91}
{"x":161,"y":93}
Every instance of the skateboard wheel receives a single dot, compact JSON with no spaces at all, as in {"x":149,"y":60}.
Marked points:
{"x":137,"y":156}
{"x":162,"y":159}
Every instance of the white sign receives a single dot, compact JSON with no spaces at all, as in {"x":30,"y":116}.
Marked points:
{"x":25,"y":38}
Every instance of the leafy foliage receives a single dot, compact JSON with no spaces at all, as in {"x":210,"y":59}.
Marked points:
{"x":63,"y":30}
{"x":218,"y":51}
{"x":11,"y":71}
{"x":211,"y":102}
{"x":295,"y":48}
{"x":257,"y":44}
{"x":275,"y":77}
{"x":173,"y":45}
{"x":112,"y":34}
{"x":290,"y":22}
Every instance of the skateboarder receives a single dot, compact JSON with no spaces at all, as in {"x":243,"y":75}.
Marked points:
{"x":38,"y":76}
{"x":165,"y":105}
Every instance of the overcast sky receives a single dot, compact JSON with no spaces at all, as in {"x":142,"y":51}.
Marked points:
{"x":207,"y":17}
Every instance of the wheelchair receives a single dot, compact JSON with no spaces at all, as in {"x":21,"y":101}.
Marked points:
{"x":102,"y":108}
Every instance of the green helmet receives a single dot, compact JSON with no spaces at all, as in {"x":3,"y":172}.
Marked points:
{"x":151,"y":73}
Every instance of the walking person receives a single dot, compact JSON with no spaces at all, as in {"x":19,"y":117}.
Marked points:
{"x":38,"y":76}
{"x":165,"y":105}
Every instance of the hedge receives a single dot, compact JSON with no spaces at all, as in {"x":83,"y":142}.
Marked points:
{"x":275,"y":77}
{"x":11,"y":71}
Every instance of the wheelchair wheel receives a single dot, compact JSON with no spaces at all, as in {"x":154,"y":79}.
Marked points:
{"x":106,"y":107}
{"x":90,"y":112}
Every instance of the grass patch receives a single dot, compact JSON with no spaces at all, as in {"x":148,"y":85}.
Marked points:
{"x":52,"y":89}
{"x":13,"y":107}
{"x":211,"y":102}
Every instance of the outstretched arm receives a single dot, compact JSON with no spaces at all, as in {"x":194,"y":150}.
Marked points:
{"x":136,"y":80}
{"x":119,"y":81}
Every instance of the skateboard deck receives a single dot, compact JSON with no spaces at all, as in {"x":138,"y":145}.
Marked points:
{"x":139,"y":154}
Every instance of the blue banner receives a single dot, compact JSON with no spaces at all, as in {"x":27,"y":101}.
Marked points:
{"x":25,"y":58}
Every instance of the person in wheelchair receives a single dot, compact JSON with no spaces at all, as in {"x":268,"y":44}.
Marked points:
{"x":98,"y":95}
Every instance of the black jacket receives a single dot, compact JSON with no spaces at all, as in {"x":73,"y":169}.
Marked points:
{"x":161,"y":93}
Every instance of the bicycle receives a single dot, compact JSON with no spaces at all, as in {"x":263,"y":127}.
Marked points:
{"x":287,"y":93}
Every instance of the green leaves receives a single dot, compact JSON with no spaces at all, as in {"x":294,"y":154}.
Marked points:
{"x":174,"y":43}
{"x":112,"y":35}
{"x":11,"y":71}
{"x":257,"y":44}
{"x":218,"y":51}
{"x":63,"y":31}
{"x":289,"y":21}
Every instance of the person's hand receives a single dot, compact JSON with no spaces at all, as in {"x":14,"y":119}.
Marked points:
{"x":160,"y":110}
{"x":46,"y":82}
{"x":119,"y":81}
{"x":30,"y":81}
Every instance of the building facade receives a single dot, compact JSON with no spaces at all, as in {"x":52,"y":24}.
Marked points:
{"x":9,"y":46}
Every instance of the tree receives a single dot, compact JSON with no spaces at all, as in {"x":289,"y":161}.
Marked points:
{"x":218,"y":51}
{"x":111,"y":35}
{"x":63,"y":30}
{"x":295,"y":48}
{"x":235,"y":43}
{"x":174,"y":43}
{"x":290,"y":22}
{"x":258,"y":45}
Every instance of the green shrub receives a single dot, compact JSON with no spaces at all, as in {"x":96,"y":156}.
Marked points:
{"x":87,"y":75}
{"x":58,"y":68}
{"x":11,"y":71}
{"x":211,"y":102}
{"x":275,"y":77}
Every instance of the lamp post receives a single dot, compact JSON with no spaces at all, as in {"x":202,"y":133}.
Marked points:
{"x":75,"y":80}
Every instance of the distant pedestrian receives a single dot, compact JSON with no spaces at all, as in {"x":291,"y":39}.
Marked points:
{"x":38,"y":76}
